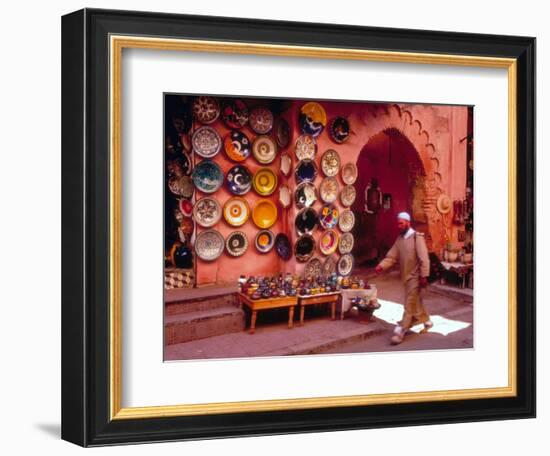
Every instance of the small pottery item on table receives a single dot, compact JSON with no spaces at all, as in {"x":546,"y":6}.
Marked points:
{"x":347,"y":196}
{"x":236,"y":211}
{"x":206,"y":142}
{"x":329,"y":189}
{"x":207,"y":212}
{"x":264,"y":181}
{"x":261,"y":120}
{"x":264,"y":149}
{"x":306,"y":221}
{"x":349,"y":173}
{"x":283,"y":133}
{"x":207,"y":176}
{"x":239,"y":180}
{"x":236,"y":243}
{"x":313,"y":268}
{"x":264,"y":241}
{"x":285,"y":196}
{"x":306,"y":171}
{"x":206,"y":109}
{"x":347,"y":220}
{"x":283,"y":247}
{"x":328,"y":242}
{"x":181,"y":186}
{"x":328,"y":216}
{"x":237,"y":146}
{"x":313,"y":118}
{"x":235,"y":113}
{"x":209,"y":245}
{"x":346,"y":243}
{"x":304,"y":247}
{"x":339,"y":129}
{"x":305,"y":195}
{"x":286,"y":164}
{"x":330,"y":163}
{"x":264,"y":214}
{"x":305,"y":147}
{"x":345,"y":264}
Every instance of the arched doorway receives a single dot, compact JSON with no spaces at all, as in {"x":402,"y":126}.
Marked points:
{"x":390,"y":159}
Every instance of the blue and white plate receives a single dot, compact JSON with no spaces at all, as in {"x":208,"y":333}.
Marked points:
{"x":207,"y":176}
{"x":239,"y":180}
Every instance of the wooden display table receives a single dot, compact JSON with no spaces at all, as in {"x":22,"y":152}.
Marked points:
{"x":324,"y":298}
{"x":271,"y":303}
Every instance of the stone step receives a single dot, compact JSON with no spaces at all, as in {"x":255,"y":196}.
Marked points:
{"x":190,"y":326}
{"x":197,"y":304}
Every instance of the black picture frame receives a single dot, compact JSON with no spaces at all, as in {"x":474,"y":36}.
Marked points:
{"x":86,"y":390}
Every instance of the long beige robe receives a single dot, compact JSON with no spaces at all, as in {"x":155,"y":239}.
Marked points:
{"x":414,"y":262}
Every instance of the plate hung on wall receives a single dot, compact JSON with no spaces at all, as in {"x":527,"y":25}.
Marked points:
{"x":261,"y":120}
{"x":264,"y":149}
{"x":236,"y":243}
{"x":306,"y":221}
{"x":283,"y":247}
{"x":305,"y":147}
{"x":236,"y":211}
{"x":328,"y":242}
{"x":349,"y":173}
{"x":209,"y":245}
{"x":264,"y":214}
{"x":345,"y":264}
{"x":237,"y":146}
{"x":339,"y":129}
{"x":207,"y":212}
{"x":306,"y":171}
{"x":304,"y":248}
{"x":207,"y":176}
{"x":264,"y":241}
{"x":330,"y":264}
{"x":329,"y":189}
{"x":285,"y":196}
{"x":347,"y":195}
{"x":346,"y":243}
{"x":313,"y":268}
{"x":282,"y":133}
{"x":328,"y":216}
{"x":286,"y":164}
{"x":238,"y":180}
{"x":235,"y":113}
{"x":330,"y":163}
{"x":305,"y":195}
{"x":347,"y":220}
{"x":206,"y":109}
{"x":206,"y":142}
{"x":313,"y":118}
{"x":264,"y":181}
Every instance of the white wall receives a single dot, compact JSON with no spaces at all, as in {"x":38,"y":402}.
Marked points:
{"x":30,"y":232}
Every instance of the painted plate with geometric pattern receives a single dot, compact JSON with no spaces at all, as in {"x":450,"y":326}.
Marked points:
{"x":236,"y":243}
{"x":347,"y":221}
{"x":346,"y":243}
{"x":206,"y":142}
{"x":236,"y":211}
{"x":330,"y":163}
{"x":209,"y":245}
{"x":345,"y":264}
{"x":207,"y":212}
{"x":206,"y":109}
{"x":347,"y":196}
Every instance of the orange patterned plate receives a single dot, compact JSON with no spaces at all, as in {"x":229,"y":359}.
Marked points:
{"x":264,"y":213}
{"x":264,"y":182}
{"x":236,"y":211}
{"x":328,"y":243}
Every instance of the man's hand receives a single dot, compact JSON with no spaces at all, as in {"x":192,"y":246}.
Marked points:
{"x":378,"y":269}
{"x":423,"y":282}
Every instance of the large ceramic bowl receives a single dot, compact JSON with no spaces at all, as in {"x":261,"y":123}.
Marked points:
{"x":207,"y":212}
{"x":264,"y":149}
{"x":339,"y":129}
{"x":346,"y":243}
{"x":206,"y":142}
{"x":330,"y":265}
{"x":329,"y":189}
{"x":264,"y":214}
{"x":306,"y":221}
{"x":236,"y":243}
{"x":209,"y":245}
{"x":235,"y":113}
{"x":349,"y":173}
{"x":313,"y":118}
{"x":236,"y":211}
{"x":330,"y":163}
{"x":306,"y":171}
{"x":207,"y":176}
{"x":347,"y":195}
{"x":181,"y":186}
{"x":304,"y":247}
{"x":261,"y":120}
{"x":305,"y":195}
{"x":347,"y":220}
{"x":305,"y":147}
{"x":238,"y":180}
{"x":237,"y":146}
{"x":328,"y":216}
{"x":313,"y":268}
{"x":264,"y":181}
{"x":328,"y":242}
{"x":206,"y":109}
{"x":345,"y":264}
{"x":264,"y":241}
{"x":283,"y":247}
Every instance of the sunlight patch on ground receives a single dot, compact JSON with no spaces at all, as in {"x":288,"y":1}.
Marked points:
{"x":392,"y":312}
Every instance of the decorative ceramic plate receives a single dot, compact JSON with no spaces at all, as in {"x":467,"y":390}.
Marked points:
{"x":330,"y":264}
{"x":306,"y":171}
{"x":328,"y":216}
{"x":207,"y":176}
{"x":329,"y":189}
{"x":236,"y":243}
{"x":304,"y":247}
{"x":265,"y":240}
{"x":206,"y":142}
{"x":239,"y":180}
{"x":306,"y":221}
{"x":285,"y":196}
{"x":264,"y":181}
{"x":283,"y":133}
{"x":339,"y":129}
{"x":261,"y":120}
{"x":347,"y":196}
{"x":313,"y":268}
{"x":207,"y":212}
{"x":346,"y":243}
{"x":345,"y":264}
{"x":313,"y":118}
{"x":330,"y":163}
{"x":328,"y":243}
{"x":236,"y":211}
{"x":347,"y":221}
{"x":286,"y":164}
{"x":206,"y":109}
{"x":186,"y":207}
{"x":349,"y":173}
{"x":264,"y":149}
{"x":237,"y":146}
{"x":305,"y":195}
{"x":178,"y":167}
{"x":181,"y":186}
{"x":305,"y":148}
{"x":235,"y":113}
{"x":209,"y":245}
{"x":264,"y":213}
{"x":282,"y":246}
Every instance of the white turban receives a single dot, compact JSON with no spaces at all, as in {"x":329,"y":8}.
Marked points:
{"x":404,"y":216}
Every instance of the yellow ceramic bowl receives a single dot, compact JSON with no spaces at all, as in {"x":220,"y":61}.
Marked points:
{"x":264,"y":182}
{"x":264,"y":213}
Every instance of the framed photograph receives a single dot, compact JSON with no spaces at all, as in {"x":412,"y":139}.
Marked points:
{"x":274,"y":227}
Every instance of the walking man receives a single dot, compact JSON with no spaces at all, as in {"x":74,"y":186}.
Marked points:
{"x":410,"y":251}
